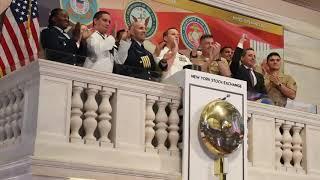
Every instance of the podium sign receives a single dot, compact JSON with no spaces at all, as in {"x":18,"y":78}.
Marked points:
{"x":199,"y":89}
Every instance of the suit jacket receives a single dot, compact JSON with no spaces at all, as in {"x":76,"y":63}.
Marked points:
{"x":139,"y":63}
{"x":240,"y":72}
{"x":59,"y":48}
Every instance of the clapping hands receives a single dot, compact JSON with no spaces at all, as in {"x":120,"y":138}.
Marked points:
{"x":215,"y":52}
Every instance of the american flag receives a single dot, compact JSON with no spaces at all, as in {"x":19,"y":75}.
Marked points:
{"x":19,"y":40}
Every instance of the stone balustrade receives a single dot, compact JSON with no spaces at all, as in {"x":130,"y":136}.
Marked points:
{"x":91,"y":119}
{"x":282,"y":143}
{"x":11,"y":115}
{"x":83,"y":123}
{"x":62,"y":121}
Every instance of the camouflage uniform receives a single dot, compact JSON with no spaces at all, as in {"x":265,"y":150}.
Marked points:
{"x":213,"y":67}
{"x":274,"y":93}
{"x":202,"y":62}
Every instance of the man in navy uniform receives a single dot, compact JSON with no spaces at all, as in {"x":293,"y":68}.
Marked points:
{"x":57,"y":44}
{"x":137,"y":61}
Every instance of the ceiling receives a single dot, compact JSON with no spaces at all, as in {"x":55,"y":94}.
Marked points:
{"x":310,"y":4}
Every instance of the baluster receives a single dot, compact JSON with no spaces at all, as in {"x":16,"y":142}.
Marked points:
{"x":15,"y":115}
{"x":2,"y":133}
{"x":173,"y":127}
{"x":90,"y":107}
{"x":249,"y":136}
{"x":4,"y":117}
{"x":278,"y":144}
{"x":286,"y":141}
{"x":161,"y":120}
{"x":297,"y":146}
{"x":20,"y":95}
{"x":180,"y":114}
{"x":8,"y":113}
{"x":104,"y":116}
{"x":150,"y":117}
{"x":76,"y":107}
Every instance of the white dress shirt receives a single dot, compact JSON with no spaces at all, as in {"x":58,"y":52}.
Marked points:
{"x":62,"y":31}
{"x":253,"y":75}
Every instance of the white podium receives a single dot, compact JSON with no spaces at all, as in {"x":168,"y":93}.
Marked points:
{"x":199,"y":89}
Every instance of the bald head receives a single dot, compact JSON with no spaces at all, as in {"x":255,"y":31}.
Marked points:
{"x":138,"y":31}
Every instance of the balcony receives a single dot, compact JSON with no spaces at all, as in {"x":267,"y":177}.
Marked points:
{"x":61,"y":122}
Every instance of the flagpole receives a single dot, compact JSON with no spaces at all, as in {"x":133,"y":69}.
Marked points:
{"x":29,"y":19}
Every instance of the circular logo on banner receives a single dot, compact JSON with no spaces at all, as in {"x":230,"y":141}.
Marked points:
{"x":80,"y":10}
{"x":192,"y":28}
{"x":140,"y":11}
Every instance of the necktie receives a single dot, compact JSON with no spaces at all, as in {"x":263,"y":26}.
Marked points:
{"x":251,"y":77}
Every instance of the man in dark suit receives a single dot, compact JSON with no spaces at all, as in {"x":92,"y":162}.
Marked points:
{"x":245,"y":71}
{"x":137,"y":61}
{"x":59,"y":46}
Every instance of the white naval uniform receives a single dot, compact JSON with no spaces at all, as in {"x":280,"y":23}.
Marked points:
{"x":177,"y":65}
{"x":99,"y":55}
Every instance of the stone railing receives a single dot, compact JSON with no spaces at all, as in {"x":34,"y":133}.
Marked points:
{"x":63,"y":121}
{"x":11,"y":115}
{"x":16,"y":126}
{"x":87,"y":124}
{"x":282,"y":143}
{"x":91,"y":118}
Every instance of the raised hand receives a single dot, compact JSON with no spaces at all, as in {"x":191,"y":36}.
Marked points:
{"x":264,"y":67}
{"x":274,"y":79}
{"x":86,"y":33}
{"x":114,"y":30}
{"x":194,"y":51}
{"x":215,"y":51}
{"x":169,"y":58}
{"x":158,"y":49}
{"x":175,"y":48}
{"x":76,"y":32}
{"x":244,"y":38}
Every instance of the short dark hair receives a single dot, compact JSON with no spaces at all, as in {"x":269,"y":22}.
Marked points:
{"x":165,"y":33}
{"x":225,"y":47}
{"x":245,"y":51}
{"x":272,"y":54}
{"x":205,"y":36}
{"x":53,"y":13}
{"x":99,"y":14}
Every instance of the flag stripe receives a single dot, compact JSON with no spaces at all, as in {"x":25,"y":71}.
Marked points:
{"x":7,"y":53}
{"x":25,"y":38}
{"x":10,"y":46}
{"x":33,"y":43}
{"x":18,"y":34}
{"x":14,"y":39}
{"x":35,"y":32}
{"x":4,"y":61}
{"x":3,"y":68}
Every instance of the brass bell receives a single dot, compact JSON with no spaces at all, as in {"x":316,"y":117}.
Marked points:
{"x":221,"y":128}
